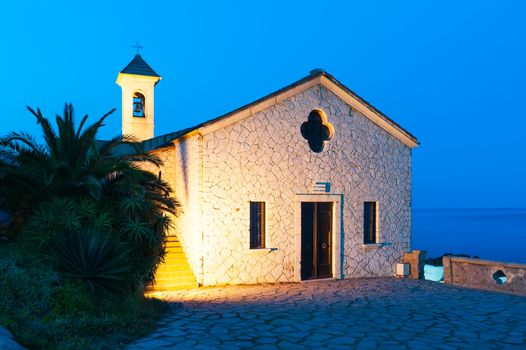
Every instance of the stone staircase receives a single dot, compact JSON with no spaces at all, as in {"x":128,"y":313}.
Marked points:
{"x":175,"y":273}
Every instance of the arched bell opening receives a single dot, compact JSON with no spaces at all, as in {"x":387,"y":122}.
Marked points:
{"x":138,"y":105}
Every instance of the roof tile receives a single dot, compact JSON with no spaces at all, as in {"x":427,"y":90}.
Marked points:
{"x":138,"y":66}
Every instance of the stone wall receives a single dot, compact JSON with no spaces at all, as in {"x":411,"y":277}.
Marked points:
{"x":183,"y":171}
{"x":188,"y":191}
{"x":484,"y":274}
{"x":265,"y":158}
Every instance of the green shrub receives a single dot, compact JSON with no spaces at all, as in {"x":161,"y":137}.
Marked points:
{"x":124,"y":230}
{"x":46,"y":309}
{"x":85,"y":217}
{"x":62,"y":214}
{"x":101,"y":263}
{"x":73,"y":183}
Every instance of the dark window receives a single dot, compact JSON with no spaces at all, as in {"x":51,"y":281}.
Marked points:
{"x":369,"y":222}
{"x":257,"y":225}
{"x":138,"y":105}
{"x":316,"y":131}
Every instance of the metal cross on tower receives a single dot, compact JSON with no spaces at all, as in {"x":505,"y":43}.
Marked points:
{"x":137,"y":47}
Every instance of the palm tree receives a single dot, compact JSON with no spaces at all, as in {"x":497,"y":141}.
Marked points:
{"x":72,"y":163}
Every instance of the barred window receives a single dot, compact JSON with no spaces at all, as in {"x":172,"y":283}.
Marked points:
{"x":257,"y":225}
{"x":369,"y":222}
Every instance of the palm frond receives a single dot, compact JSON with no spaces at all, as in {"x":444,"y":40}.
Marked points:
{"x":81,"y":125}
{"x":21,"y":141}
{"x":49,"y":134}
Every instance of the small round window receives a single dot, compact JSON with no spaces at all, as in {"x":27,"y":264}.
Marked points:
{"x":317,"y":130}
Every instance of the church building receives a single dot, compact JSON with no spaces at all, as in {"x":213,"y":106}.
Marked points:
{"x":308,"y":182}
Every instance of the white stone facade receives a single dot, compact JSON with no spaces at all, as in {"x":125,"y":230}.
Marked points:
{"x":264,"y":157}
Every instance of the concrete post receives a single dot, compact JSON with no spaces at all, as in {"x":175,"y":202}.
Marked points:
{"x":448,"y":278}
{"x":416,"y":260}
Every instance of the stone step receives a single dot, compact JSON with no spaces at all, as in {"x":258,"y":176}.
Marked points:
{"x":173,"y":281}
{"x":174,"y":260}
{"x":173,"y":247}
{"x":174,"y":257}
{"x":175,"y":286}
{"x":174,"y":267}
{"x":176,"y":251}
{"x":170,"y":279}
{"x":174,"y":275}
{"x":173,"y":244}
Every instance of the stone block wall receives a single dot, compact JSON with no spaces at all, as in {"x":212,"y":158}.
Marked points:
{"x":265,"y":158}
{"x":484,"y":274}
{"x":187,"y":155}
{"x":182,"y":170}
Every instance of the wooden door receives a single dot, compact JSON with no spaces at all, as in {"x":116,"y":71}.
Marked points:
{"x":316,"y":240}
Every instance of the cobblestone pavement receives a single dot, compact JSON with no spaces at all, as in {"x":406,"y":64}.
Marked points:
{"x":365,"y":313}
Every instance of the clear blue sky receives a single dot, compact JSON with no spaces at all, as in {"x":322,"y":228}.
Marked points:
{"x":451,"y":72}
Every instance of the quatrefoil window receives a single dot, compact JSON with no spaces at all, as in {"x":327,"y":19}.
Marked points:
{"x":317,"y":130}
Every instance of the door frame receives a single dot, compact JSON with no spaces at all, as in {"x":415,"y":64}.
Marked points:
{"x":337,"y":228}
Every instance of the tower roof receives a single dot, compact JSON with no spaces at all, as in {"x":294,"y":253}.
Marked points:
{"x":138,"y":66}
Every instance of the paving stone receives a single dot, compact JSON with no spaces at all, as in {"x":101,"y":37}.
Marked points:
{"x":318,"y":338}
{"x":267,"y":340}
{"x":151,"y":344}
{"x":297,"y":335}
{"x":291,"y":346}
{"x":368,"y":313}
{"x":265,"y":347}
{"x":285,"y":329}
{"x":187,"y":344}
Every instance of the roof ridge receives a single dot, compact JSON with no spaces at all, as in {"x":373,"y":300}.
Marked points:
{"x":314,"y":74}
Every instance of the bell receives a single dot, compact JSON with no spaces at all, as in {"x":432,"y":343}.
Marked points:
{"x":138,"y":108}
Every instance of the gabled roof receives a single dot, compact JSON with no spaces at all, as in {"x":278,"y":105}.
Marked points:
{"x":138,"y":66}
{"x":317,"y":76}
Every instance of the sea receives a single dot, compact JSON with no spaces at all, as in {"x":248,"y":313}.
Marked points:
{"x":494,"y":234}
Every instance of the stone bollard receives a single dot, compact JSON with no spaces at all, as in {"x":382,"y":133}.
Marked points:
{"x":446,"y":262}
{"x":416,"y":260}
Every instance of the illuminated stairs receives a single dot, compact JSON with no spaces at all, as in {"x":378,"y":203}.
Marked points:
{"x":175,"y":273}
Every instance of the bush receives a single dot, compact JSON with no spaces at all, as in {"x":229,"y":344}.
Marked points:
{"x":86,"y":218}
{"x":73,"y":183}
{"x":64,"y":229}
{"x":101,"y":263}
{"x":46,"y":309}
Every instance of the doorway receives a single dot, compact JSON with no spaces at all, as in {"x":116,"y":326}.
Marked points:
{"x":316,"y":240}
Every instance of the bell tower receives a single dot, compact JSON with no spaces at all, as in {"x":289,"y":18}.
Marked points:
{"x":137,"y":81}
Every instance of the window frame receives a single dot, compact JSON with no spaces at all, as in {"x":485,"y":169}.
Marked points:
{"x":257,"y":240}
{"x":370,"y":223}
